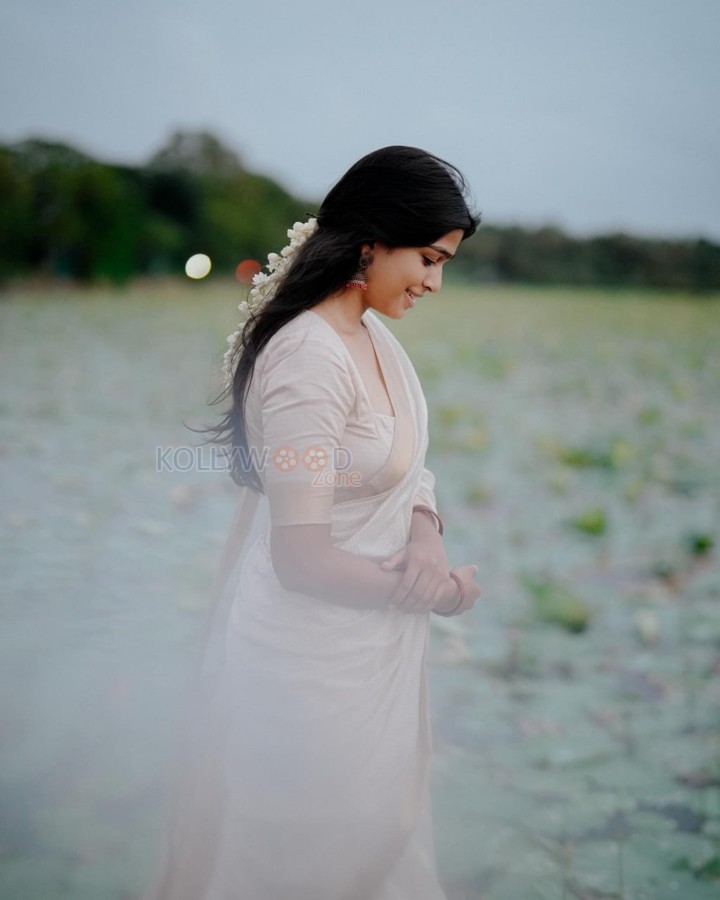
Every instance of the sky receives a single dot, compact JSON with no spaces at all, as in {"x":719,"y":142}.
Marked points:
{"x":591,"y":115}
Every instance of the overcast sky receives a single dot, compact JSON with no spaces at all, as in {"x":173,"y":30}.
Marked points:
{"x":590,"y":114}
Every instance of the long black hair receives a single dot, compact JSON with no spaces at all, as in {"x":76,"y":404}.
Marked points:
{"x":400,"y":196}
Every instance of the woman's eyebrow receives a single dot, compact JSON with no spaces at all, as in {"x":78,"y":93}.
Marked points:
{"x":445,"y":253}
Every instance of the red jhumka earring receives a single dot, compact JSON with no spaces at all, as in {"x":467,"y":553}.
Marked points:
{"x":359,"y":280}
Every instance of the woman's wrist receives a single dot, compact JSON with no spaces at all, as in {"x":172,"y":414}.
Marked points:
{"x":455,"y":598}
{"x":429,"y":514}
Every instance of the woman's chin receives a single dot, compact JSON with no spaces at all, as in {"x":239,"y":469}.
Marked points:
{"x":391,"y":312}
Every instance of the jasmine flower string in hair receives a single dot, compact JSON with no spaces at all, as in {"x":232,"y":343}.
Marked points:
{"x":264,"y":287}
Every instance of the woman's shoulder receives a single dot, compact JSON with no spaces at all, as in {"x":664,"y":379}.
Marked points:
{"x":304,"y":328}
{"x":306,"y":332}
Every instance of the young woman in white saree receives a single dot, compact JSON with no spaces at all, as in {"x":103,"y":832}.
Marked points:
{"x":305,"y":766}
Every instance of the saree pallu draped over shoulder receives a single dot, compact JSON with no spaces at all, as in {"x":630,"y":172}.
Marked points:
{"x":306,"y":763}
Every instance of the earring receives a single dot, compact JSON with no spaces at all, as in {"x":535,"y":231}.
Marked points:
{"x":359,"y":280}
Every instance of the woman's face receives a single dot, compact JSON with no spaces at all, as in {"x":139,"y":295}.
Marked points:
{"x":396,"y":278}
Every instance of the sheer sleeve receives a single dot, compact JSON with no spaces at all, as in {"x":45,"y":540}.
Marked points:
{"x":306,"y":395}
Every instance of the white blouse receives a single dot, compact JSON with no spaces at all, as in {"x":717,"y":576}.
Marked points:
{"x":312,"y":427}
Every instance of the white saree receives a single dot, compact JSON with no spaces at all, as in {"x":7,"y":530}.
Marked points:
{"x":307,"y":767}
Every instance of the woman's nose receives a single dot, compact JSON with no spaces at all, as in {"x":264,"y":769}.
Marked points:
{"x":433,"y":280}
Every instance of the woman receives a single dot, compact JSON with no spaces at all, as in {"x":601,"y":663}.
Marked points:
{"x":308,"y":778}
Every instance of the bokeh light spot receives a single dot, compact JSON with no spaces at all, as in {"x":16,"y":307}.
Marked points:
{"x":198,"y":266}
{"x":246,"y":269}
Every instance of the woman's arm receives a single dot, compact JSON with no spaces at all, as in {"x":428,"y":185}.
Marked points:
{"x":305,"y":560}
{"x":421,"y":559}
{"x":424,"y":564}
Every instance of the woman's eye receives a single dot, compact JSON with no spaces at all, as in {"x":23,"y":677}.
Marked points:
{"x":427,"y":261}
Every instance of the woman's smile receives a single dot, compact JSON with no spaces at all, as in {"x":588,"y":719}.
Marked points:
{"x":392,"y":267}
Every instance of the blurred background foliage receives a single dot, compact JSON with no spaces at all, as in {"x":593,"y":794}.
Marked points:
{"x":66,"y":215}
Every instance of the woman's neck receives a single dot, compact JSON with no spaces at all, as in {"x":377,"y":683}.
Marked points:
{"x":344,"y":311}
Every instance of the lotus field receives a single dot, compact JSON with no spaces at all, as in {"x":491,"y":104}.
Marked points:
{"x":575,"y":439}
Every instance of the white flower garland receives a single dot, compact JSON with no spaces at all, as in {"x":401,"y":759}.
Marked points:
{"x":264,"y":287}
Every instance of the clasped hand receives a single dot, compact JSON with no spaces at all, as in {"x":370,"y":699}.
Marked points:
{"x":426,"y":584}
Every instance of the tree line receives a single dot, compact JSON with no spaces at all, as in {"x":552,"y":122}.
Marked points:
{"x":549,"y":256}
{"x":66,"y":215}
